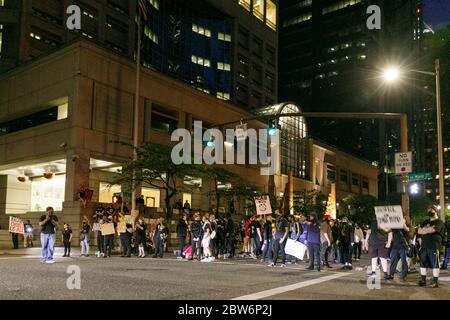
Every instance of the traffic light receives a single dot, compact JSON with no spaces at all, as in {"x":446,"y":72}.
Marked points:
{"x":116,"y":200}
{"x":272,"y":127}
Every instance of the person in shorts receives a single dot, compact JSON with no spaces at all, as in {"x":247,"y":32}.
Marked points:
{"x":431,"y":233}
{"x":379,"y":244}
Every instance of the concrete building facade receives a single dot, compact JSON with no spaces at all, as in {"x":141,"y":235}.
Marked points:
{"x":86,"y":93}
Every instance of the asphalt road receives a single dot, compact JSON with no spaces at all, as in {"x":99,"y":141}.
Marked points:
{"x":25,"y":277}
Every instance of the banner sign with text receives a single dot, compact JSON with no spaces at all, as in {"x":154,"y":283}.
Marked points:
{"x":16,"y":225}
{"x":389,"y":217}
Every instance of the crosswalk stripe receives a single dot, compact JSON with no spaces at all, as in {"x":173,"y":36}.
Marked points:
{"x":296,"y":286}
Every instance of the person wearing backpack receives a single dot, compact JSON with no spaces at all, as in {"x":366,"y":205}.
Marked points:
{"x":399,"y":249}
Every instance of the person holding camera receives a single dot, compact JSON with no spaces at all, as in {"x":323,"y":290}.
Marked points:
{"x":431,"y":233}
{"x":48,"y":224}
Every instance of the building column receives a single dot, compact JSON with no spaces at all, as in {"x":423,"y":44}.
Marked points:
{"x":77,"y":176}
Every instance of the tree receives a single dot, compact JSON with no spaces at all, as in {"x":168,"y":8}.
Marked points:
{"x":418,"y":206}
{"x":154,"y":166}
{"x":359,"y":208}
{"x":308,"y":201}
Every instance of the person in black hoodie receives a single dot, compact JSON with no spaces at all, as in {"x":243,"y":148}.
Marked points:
{"x":268,"y":229}
{"x":400,"y":241}
{"x":346,"y":241}
{"x":230,"y":236}
{"x":219,"y":240}
{"x":196,"y":236}
{"x":125,"y":239}
{"x":182,"y":229}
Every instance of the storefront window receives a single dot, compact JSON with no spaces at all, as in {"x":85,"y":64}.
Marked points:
{"x":47,"y":193}
{"x":151,"y":197}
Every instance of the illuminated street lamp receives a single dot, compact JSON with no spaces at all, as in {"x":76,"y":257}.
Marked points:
{"x":392,"y":74}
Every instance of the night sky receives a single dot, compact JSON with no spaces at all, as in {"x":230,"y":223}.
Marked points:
{"x":437,"y":13}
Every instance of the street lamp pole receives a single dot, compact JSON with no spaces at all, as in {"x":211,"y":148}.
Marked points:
{"x":440,"y":144}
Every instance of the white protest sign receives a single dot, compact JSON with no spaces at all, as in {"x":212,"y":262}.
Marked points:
{"x":389,"y":217}
{"x":403,"y":162}
{"x":263,"y":205}
{"x":16,"y":225}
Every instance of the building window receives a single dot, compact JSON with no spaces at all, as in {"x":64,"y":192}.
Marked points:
{"x":257,"y":47}
{"x":298,"y":19}
{"x":355,"y":180}
{"x":270,"y":81}
{"x":48,"y":193}
{"x":224,"y":37}
{"x":164,"y":120}
{"x":244,"y":37}
{"x":339,"y":6}
{"x":151,"y":35}
{"x":200,"y":30}
{"x":365,"y":184}
{"x":271,"y":14}
{"x":271,"y":57}
{"x":343,"y":177}
{"x":2,"y":3}
{"x":257,"y":99}
{"x":331,"y":173}
{"x":245,"y":4}
{"x":154,"y":3}
{"x":257,"y":74}
{"x":36,"y":119}
{"x":1,"y":38}
{"x":201,"y":61}
{"x":223,"y":66}
{"x":258,"y":9}
{"x":223,"y":95}
{"x":107,"y":191}
{"x":89,"y":14}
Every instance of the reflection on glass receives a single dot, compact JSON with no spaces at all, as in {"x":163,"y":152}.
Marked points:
{"x":271,"y":14}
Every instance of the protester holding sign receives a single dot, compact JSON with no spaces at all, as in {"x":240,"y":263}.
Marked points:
{"x":432,"y":233}
{"x":48,"y":224}
{"x":379,"y":243}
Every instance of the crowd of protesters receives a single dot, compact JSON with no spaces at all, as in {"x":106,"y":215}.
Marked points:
{"x":328,"y":243}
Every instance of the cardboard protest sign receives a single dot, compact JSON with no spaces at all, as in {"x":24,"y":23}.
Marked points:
{"x":107,"y":229}
{"x":389,"y":217}
{"x":121,"y":227}
{"x":263,"y":205}
{"x":16,"y":225}
{"x":96,"y":226}
{"x":295,"y":248}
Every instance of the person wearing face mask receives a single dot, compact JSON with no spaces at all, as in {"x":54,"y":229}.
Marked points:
{"x":431,"y":234}
{"x":313,"y":241}
{"x":109,"y":239}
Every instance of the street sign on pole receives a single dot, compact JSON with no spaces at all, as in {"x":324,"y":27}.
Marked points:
{"x":403,"y":162}
{"x":420,"y":176}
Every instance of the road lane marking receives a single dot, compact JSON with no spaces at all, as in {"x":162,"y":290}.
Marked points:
{"x":292,"y":287}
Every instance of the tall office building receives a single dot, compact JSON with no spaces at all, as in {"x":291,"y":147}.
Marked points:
{"x":225,"y":48}
{"x":331,"y":61}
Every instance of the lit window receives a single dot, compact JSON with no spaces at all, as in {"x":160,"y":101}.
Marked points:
{"x":88,"y":14}
{"x":2,"y":3}
{"x":154,"y":3}
{"x":296,"y":20}
{"x":258,"y":9}
{"x":223,"y":66}
{"x":1,"y":37}
{"x":201,"y":61}
{"x":63,"y":111}
{"x":245,"y":4}
{"x":271,"y":14}
{"x":151,"y":35}
{"x":362,"y":57}
{"x":200,"y":30}
{"x":340,"y":5}
{"x":224,"y":37}
{"x":223,"y":96}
